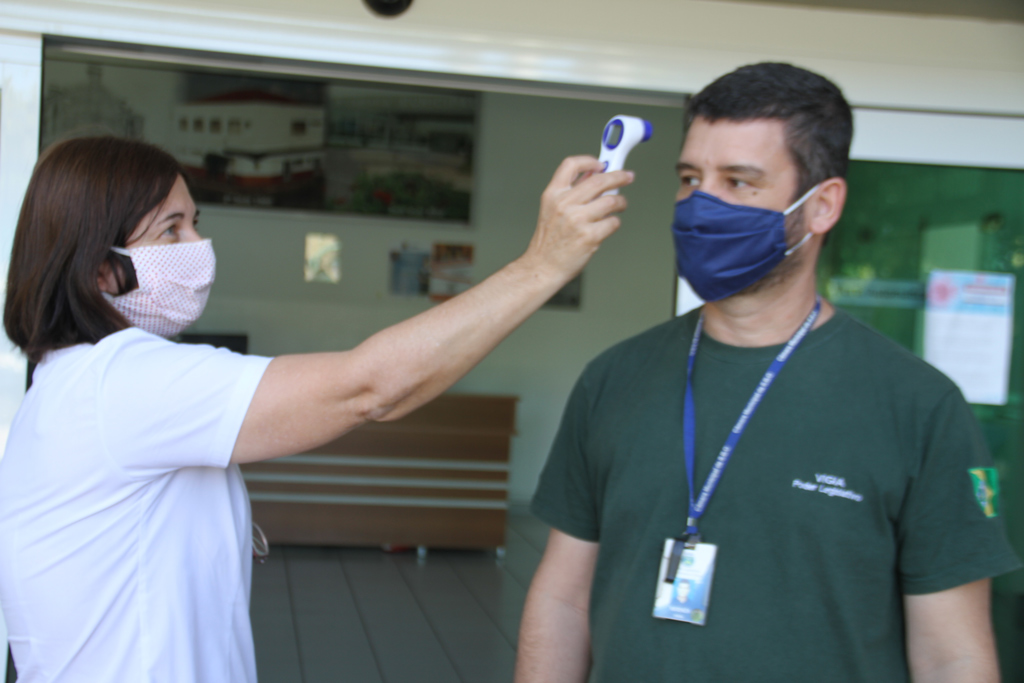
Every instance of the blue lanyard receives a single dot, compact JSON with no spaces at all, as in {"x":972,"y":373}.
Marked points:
{"x":697,"y":507}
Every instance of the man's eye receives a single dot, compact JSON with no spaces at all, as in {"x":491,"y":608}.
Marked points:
{"x":737,"y":182}
{"x":690,"y":181}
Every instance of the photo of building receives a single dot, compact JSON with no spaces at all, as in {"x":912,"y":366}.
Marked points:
{"x":250,"y":147}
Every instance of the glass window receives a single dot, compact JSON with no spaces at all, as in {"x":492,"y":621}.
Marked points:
{"x":903,"y":221}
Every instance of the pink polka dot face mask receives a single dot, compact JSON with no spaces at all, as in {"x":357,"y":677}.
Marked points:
{"x":174,"y":283}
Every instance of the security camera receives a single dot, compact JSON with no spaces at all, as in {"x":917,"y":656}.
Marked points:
{"x":388,"y":8}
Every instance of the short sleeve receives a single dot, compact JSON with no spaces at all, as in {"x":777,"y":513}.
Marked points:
{"x":950,"y":530}
{"x":565,"y":497}
{"x":163,"y":406}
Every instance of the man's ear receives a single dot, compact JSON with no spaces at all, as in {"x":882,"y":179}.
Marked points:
{"x":826,"y":206}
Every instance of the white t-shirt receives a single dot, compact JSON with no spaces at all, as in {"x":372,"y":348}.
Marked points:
{"x":125,"y":538}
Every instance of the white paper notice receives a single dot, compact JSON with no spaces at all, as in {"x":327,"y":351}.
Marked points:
{"x":968,"y":331}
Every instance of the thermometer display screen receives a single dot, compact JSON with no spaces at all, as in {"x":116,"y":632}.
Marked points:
{"x":613,"y":134}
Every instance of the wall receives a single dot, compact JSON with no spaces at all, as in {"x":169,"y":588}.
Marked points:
{"x":626,"y":288}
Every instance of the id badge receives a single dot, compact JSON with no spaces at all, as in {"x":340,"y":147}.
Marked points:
{"x":685,"y":596}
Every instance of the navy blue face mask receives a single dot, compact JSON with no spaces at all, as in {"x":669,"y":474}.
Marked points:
{"x":723,"y":248}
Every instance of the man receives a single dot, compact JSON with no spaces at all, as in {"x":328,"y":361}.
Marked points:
{"x":841,"y":531}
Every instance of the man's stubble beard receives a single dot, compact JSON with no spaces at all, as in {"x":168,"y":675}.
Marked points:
{"x":795,"y":230}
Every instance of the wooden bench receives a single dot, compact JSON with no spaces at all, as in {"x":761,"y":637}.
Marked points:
{"x":436,"y":478}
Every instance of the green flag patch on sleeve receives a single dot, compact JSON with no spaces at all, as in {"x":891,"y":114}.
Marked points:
{"x":985,"y":482}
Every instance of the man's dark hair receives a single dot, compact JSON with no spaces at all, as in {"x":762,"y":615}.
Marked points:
{"x":85,"y":196}
{"x":819,"y":124}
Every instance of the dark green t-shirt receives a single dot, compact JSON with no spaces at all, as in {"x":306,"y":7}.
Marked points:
{"x":810,"y":572}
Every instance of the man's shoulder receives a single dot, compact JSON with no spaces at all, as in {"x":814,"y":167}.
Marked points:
{"x":874,"y":354}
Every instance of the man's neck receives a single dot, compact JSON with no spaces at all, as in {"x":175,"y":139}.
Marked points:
{"x":767,"y":317}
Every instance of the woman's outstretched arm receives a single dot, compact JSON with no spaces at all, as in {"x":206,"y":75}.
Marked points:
{"x":307,"y":400}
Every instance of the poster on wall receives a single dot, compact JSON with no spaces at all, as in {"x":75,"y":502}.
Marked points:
{"x":323,"y":258}
{"x":569,"y":296}
{"x":968,"y":331}
{"x":410,"y":270}
{"x":396,"y":151}
{"x":451,"y":270}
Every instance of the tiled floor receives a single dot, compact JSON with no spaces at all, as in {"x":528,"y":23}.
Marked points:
{"x":365,"y":616}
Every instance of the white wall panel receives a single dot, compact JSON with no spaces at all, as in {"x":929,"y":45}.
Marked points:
{"x":20,"y":77}
{"x":928,"y":138}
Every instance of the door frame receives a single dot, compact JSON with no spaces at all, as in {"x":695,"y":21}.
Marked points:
{"x":20,"y":90}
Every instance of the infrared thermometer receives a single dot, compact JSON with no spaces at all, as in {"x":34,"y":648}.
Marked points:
{"x":621,"y":135}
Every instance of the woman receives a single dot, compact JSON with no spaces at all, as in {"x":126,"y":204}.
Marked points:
{"x":124,"y":521}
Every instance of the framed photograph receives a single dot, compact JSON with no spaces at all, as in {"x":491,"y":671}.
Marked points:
{"x":569,"y":296}
{"x":349,"y":147}
{"x":451,"y":270}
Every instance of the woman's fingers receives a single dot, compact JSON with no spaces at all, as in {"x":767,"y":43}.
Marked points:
{"x":582,"y":179}
{"x":590,"y":188}
{"x":569,"y":171}
{"x":575,"y":214}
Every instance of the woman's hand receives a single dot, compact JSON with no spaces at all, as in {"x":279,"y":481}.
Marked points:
{"x":574,"y":216}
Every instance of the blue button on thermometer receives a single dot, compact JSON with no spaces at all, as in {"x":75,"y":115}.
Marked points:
{"x":621,"y":135}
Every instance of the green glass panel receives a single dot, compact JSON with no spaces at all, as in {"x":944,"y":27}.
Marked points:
{"x":901,"y":221}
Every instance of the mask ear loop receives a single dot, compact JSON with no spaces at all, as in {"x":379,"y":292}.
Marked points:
{"x":796,"y":205}
{"x":799,"y":244}
{"x":131,"y":278}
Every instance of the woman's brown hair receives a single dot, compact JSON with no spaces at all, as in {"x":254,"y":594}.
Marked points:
{"x":86,"y":195}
